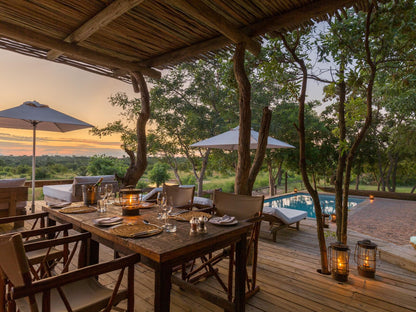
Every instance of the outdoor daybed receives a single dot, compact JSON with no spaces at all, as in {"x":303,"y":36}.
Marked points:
{"x":279,"y":218}
{"x":73,"y":192}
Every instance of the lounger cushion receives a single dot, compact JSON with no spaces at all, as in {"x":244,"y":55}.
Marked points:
{"x":62,"y":192}
{"x":152,"y":193}
{"x":202,"y":201}
{"x":288,"y":216}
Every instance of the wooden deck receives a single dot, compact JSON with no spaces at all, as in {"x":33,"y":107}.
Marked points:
{"x":289,"y":281}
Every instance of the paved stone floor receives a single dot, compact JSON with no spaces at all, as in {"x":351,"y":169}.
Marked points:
{"x":387,"y":219}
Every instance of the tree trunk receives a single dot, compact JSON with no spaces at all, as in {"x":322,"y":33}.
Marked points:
{"x":272,"y":185}
{"x":361,"y":134}
{"x":357,"y":182}
{"x":302,"y":158}
{"x":202,"y":172}
{"x":138,"y":163}
{"x":261,"y":147}
{"x":339,"y":176}
{"x":244,"y":95}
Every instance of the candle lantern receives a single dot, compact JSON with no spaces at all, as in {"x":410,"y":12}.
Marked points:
{"x":365,"y":257}
{"x":371,"y":197}
{"x":295,"y":190}
{"x":339,"y":261}
{"x":130,"y":201}
{"x":333,"y":217}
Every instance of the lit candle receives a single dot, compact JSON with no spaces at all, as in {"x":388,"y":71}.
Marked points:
{"x":340,"y":264}
{"x":366,"y":265}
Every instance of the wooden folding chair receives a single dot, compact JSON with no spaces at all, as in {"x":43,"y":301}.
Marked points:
{"x":77,"y":290}
{"x":243,"y":208}
{"x":179,"y":197}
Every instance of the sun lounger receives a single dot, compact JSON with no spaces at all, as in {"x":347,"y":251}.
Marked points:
{"x":413,"y":241}
{"x":279,"y":218}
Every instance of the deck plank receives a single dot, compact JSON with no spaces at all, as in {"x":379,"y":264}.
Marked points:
{"x":289,"y":281}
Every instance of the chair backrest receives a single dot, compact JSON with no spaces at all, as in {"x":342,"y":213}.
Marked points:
{"x":242,"y":207}
{"x":13,"y":200}
{"x":177,"y":196}
{"x":13,"y":261}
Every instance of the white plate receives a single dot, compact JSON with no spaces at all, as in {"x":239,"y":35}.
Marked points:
{"x":216,"y":221}
{"x":98,"y":222}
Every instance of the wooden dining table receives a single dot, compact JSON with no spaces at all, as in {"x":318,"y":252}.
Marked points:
{"x":165,"y":251}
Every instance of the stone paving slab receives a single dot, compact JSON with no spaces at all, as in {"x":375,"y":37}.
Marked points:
{"x":387,"y":219}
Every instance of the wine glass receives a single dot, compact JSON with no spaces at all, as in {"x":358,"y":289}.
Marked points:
{"x":109,"y":191}
{"x":161,"y":202}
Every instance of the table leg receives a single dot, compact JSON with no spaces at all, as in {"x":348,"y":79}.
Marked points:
{"x":49,"y":223}
{"x":94,"y":252}
{"x":163,"y":284}
{"x":240,"y":273}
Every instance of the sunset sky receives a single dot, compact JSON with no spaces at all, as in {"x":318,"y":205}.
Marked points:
{"x":72,"y":91}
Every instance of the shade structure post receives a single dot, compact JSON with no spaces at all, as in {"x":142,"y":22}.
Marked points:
{"x":33,"y":166}
{"x":32,"y":115}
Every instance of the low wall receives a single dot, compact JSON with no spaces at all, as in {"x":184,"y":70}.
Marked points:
{"x":380,"y":194}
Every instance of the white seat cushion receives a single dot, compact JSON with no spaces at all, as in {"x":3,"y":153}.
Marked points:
{"x":60,"y":191}
{"x":202,"y":201}
{"x":288,"y":216}
{"x":151,"y":193}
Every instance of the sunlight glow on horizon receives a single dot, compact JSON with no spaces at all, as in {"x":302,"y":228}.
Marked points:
{"x":80,"y":94}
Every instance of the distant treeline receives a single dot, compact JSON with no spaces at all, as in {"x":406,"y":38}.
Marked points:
{"x":65,"y":167}
{"x":57,"y":167}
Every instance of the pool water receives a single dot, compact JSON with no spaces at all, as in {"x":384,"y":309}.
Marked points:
{"x":304,"y":202}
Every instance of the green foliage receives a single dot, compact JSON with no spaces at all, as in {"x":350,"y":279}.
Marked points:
{"x":159,"y":173}
{"x":141,"y":184}
{"x":106,"y":165}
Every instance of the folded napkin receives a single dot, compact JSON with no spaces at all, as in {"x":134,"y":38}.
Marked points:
{"x":145,"y":233}
{"x":226,"y":219}
{"x":109,"y":220}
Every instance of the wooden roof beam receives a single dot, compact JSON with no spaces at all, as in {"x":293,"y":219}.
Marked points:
{"x":274,"y":23}
{"x":208,"y":16}
{"x":37,"y":39}
{"x":103,"y":18}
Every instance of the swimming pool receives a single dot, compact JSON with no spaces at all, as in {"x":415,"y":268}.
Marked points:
{"x":304,"y":202}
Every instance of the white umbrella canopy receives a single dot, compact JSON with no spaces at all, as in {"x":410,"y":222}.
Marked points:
{"x":34,"y":116}
{"x":229,"y":141}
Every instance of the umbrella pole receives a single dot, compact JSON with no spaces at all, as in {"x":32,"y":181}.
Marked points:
{"x":33,"y":166}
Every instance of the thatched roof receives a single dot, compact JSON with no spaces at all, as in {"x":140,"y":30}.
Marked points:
{"x":114,"y":38}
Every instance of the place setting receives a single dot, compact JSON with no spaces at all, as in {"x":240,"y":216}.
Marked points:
{"x":224,"y":220}
{"x":136,"y":230}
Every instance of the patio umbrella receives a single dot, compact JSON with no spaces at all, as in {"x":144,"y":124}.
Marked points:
{"x":229,"y":141}
{"x":35,"y":116}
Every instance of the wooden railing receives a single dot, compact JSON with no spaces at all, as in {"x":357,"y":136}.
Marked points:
{"x":40,"y":183}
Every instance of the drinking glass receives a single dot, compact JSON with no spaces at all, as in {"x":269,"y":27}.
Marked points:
{"x":168,"y":226}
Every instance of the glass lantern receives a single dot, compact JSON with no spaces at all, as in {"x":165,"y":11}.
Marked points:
{"x":130,"y":201}
{"x":339,"y":261}
{"x":365,"y":257}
